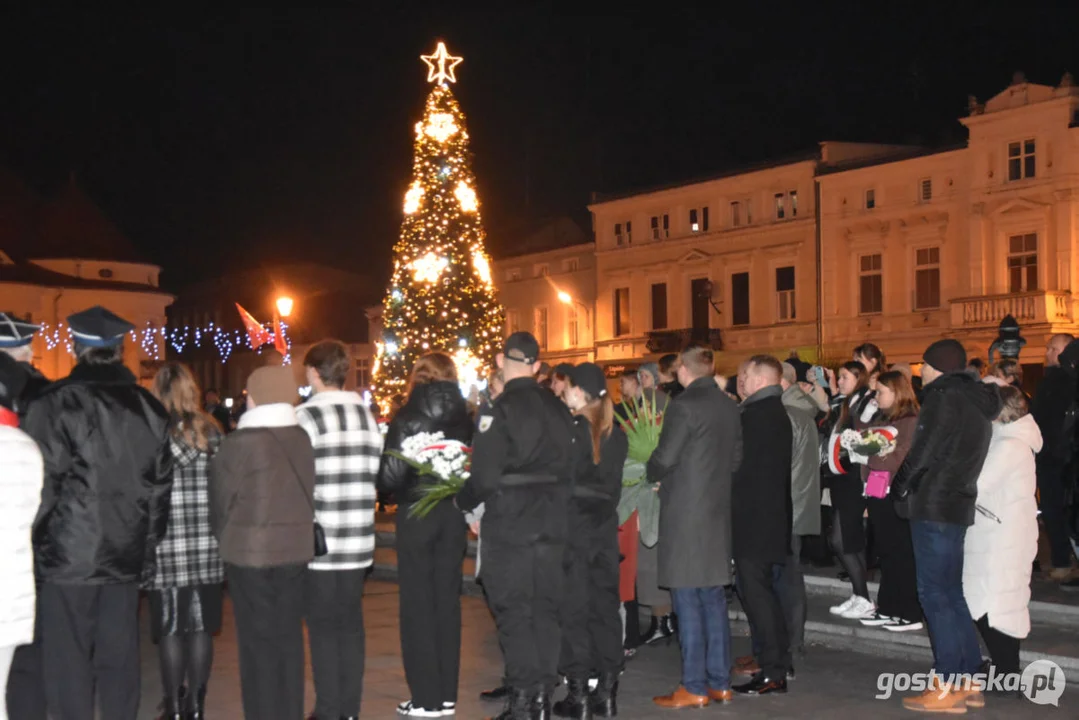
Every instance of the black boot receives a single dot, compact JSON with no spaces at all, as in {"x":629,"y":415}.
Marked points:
{"x":663,"y":630}
{"x":576,"y":703}
{"x":172,"y":709}
{"x":605,"y":698}
{"x":541,"y":705}
{"x":518,"y":705}
{"x":198,"y":705}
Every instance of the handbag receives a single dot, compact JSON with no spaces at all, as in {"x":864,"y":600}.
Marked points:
{"x":321,"y":548}
{"x":878,"y":483}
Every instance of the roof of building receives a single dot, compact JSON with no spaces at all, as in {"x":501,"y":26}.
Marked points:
{"x":66,"y":224}
{"x":30,"y":274}
{"x":542,"y":236}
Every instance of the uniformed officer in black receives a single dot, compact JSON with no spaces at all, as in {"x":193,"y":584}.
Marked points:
{"x":591,"y":624}
{"x":522,"y":468}
{"x":25,"y":685}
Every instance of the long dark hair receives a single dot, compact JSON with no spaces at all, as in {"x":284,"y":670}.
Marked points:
{"x":858,"y":370}
{"x":869,"y":351}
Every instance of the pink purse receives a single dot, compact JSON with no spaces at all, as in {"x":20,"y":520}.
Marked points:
{"x":877,"y":484}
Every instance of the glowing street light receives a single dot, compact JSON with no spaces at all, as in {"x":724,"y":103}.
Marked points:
{"x":565,"y":298}
{"x":284,"y":306}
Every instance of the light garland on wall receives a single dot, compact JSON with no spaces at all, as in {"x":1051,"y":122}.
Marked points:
{"x":152,"y":339}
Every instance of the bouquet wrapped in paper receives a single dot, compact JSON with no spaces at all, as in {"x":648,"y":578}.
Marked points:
{"x":864,"y":444}
{"x":643,"y":425}
{"x":447,"y":462}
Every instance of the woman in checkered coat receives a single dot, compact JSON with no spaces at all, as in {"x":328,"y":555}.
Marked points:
{"x":185,"y":593}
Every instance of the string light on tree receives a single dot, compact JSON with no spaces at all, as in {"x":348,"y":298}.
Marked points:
{"x":441,"y":291}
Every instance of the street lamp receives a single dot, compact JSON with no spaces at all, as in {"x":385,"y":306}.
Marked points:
{"x":284,"y":306}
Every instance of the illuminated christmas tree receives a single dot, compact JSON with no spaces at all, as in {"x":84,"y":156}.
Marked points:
{"x":441,"y":297}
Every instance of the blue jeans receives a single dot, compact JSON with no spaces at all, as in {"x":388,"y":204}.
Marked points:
{"x":704,"y":632}
{"x":938,"y":556}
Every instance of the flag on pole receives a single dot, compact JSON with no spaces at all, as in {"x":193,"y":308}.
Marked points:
{"x":279,"y":336}
{"x":256,"y":334}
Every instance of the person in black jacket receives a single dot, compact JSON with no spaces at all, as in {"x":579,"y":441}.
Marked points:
{"x":762,"y":517}
{"x":1054,"y":397}
{"x":430,"y":550}
{"x":936,"y":488}
{"x":104,"y":508}
{"x":522,"y":468}
{"x":25,"y":689}
{"x":591,"y":626}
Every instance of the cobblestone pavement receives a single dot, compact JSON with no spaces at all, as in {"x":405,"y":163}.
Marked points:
{"x":830,"y":683}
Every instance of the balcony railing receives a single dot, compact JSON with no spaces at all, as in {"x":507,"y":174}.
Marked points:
{"x":1038,"y":306}
{"x":672,"y":341}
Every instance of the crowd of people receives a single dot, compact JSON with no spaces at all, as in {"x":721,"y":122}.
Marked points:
{"x":115,"y":489}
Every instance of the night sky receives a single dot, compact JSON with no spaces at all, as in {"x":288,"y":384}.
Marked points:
{"x":263,"y":137}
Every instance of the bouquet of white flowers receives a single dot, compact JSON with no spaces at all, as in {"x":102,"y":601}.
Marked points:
{"x":449,"y":461}
{"x":868,"y":443}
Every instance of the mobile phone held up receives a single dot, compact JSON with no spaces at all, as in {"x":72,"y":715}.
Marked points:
{"x":816,"y":374}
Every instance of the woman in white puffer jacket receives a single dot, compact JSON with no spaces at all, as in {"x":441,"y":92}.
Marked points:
{"x":1001,"y":545}
{"x":21,"y":476}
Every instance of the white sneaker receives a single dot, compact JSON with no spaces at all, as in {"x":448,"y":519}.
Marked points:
{"x":448,"y":709}
{"x":843,"y":607}
{"x":409,"y":710}
{"x":900,"y":625}
{"x":860,"y":608}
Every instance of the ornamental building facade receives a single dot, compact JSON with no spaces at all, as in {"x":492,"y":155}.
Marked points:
{"x":852,"y":243}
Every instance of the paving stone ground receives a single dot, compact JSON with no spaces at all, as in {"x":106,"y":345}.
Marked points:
{"x":830,"y":683}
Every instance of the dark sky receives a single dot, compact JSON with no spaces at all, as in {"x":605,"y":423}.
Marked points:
{"x":266,"y":137}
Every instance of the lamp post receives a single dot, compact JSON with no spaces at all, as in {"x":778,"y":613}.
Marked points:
{"x":1008,"y":342}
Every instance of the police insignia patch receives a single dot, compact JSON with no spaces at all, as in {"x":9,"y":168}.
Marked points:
{"x":485,"y":422}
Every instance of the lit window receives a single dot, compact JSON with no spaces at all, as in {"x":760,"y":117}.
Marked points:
{"x":785,"y":294}
{"x":621,"y":311}
{"x":870,"y":285}
{"x":927,"y":278}
{"x":1021,"y":163}
{"x":573,"y":325}
{"x":539,"y":327}
{"x":1023,"y":263}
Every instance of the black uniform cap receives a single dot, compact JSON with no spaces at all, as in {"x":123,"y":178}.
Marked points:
{"x":97,"y":327}
{"x":14,"y":332}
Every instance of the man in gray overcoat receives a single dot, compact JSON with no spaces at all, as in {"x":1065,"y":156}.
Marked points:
{"x":699,"y":450}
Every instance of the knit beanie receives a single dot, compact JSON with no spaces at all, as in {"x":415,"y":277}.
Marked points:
{"x":946,"y":356}
{"x":649,"y":368}
{"x":271,"y":385}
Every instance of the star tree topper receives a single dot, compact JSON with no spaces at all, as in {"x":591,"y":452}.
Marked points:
{"x":445,"y":64}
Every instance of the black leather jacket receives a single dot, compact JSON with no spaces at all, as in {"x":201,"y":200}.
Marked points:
{"x":434,"y":407}
{"x":108,"y":476}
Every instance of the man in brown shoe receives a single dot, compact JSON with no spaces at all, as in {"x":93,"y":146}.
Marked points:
{"x":681,"y":699}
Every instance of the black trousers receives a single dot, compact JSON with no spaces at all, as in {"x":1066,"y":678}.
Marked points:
{"x":429,"y":556}
{"x":268,"y":606}
{"x":90,"y":638}
{"x":757,"y":584}
{"x":524,"y":590}
{"x":333,"y":608}
{"x":1055,"y":481}
{"x":26,"y":681}
{"x":1003,"y":649}
{"x":591,"y":623}
{"x":898,"y":593}
{"x":792,"y":595}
